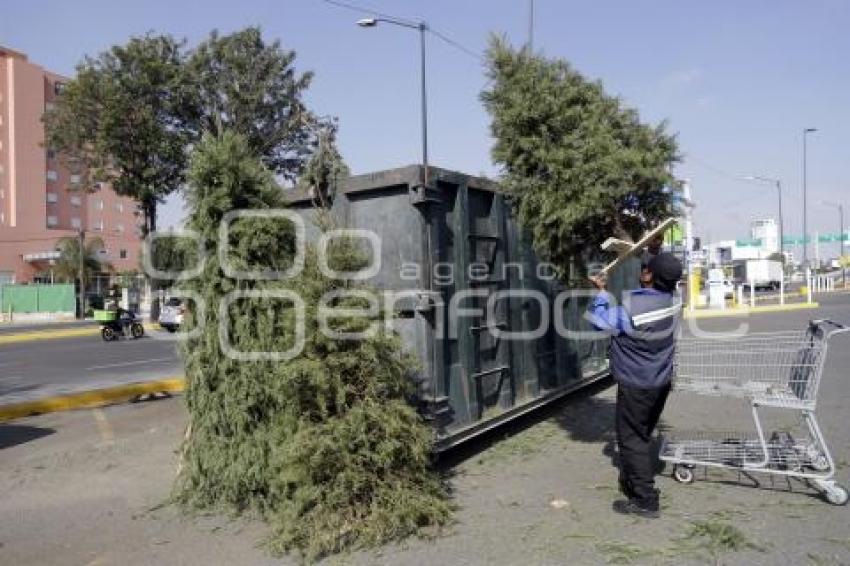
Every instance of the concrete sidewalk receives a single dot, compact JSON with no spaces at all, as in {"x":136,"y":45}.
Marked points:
{"x":91,"y":487}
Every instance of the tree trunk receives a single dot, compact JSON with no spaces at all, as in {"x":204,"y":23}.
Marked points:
{"x":150,"y":217}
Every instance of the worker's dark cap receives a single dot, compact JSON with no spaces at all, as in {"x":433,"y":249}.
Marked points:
{"x":666,"y":271}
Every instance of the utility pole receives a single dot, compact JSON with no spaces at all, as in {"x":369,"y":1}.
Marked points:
{"x":778,"y":184}
{"x":422,"y":28}
{"x":82,"y":274}
{"x":806,"y":131}
{"x":841,"y":245}
{"x":530,"y":26}
{"x":840,"y":208}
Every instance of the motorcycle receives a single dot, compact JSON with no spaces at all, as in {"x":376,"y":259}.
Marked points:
{"x":115,"y":324}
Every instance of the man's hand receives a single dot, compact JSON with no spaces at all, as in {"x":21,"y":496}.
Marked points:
{"x":599,"y":281}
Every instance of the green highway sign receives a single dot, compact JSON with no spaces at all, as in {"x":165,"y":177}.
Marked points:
{"x":822,"y":238}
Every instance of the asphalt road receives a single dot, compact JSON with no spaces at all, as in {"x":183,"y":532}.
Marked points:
{"x":35,"y":369}
{"x":41,"y":368}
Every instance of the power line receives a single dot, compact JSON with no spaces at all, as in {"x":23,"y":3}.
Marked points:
{"x":717,"y":170}
{"x":455,"y":44}
{"x":359,"y":9}
{"x":362,"y":10}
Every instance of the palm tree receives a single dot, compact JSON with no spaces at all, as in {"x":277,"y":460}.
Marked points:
{"x":67,"y":267}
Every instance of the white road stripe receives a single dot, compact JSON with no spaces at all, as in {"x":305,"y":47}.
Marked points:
{"x":137,"y":362}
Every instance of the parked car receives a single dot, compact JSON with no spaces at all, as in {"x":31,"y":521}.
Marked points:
{"x":171,"y":314}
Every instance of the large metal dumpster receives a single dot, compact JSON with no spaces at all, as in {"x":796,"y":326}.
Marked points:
{"x":465,"y":277}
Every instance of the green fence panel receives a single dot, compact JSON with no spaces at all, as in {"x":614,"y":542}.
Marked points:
{"x":21,"y":298}
{"x":56,"y":298}
{"x":37,"y":298}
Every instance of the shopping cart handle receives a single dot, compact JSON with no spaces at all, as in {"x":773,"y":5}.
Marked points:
{"x":826,"y":321}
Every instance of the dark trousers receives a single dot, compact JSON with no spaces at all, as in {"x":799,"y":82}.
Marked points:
{"x":638,"y":411}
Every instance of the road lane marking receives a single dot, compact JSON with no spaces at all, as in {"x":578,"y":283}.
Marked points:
{"x":137,"y":362}
{"x":106,"y":434}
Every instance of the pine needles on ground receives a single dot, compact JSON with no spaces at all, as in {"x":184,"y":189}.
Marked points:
{"x":324,"y":446}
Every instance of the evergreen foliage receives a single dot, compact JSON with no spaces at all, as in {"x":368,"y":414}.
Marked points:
{"x":324,"y":446}
{"x":325,"y":169}
{"x":579,"y":165}
{"x":172,"y":253}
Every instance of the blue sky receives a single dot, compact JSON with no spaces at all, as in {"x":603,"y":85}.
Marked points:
{"x":737,"y":80}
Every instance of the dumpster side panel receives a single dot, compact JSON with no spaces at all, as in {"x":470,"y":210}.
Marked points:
{"x":451,"y":253}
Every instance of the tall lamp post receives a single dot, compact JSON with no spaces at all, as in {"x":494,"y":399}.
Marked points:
{"x":422,"y":27}
{"x":778,"y":184}
{"x":840,"y":208}
{"x":806,"y":131}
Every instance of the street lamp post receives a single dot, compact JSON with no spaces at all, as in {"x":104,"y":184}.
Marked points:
{"x":806,"y":131}
{"x":778,"y":184}
{"x":840,"y":208}
{"x":422,"y":27}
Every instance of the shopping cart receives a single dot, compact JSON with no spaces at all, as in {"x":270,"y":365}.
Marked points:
{"x":781,"y":370}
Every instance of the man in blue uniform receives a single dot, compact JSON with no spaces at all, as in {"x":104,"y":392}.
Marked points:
{"x":642,"y":345}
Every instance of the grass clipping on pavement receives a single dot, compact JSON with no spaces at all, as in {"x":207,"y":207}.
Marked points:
{"x":324,"y":446}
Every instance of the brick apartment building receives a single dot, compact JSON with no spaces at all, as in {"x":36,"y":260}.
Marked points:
{"x":39,"y":200}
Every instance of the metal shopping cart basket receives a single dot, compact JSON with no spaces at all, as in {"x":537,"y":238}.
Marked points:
{"x":781,"y":370}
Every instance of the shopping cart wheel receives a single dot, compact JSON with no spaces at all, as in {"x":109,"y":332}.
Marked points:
{"x":683,"y":474}
{"x":836,"y":494}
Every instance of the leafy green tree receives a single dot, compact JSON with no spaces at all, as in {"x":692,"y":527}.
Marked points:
{"x":121,"y":120}
{"x":172,"y":253}
{"x":241,"y":83}
{"x":326,"y":168}
{"x":67,"y":267}
{"x":132,"y":113}
{"x":580,"y":166}
{"x":323,"y":445}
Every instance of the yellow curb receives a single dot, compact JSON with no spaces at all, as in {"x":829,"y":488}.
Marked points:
{"x":58,"y":333}
{"x":87,"y":399}
{"x":748,"y":310}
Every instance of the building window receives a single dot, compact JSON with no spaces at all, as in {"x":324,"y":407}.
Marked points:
{"x":2,"y":217}
{"x":76,"y":200}
{"x":119,"y":207}
{"x":58,"y":88}
{"x":51,"y":154}
{"x":99,"y":204}
{"x":98,"y":226}
{"x":75,"y":223}
{"x":48,"y":106}
{"x":75,"y":179}
{"x":52,"y":197}
{"x":119,"y":228}
{"x":122,"y":254}
{"x":52,"y":221}
{"x":52,"y":175}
